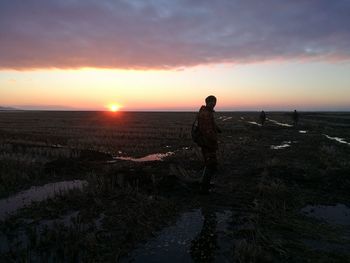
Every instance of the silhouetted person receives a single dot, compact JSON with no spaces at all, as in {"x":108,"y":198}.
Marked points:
{"x":295,"y":117}
{"x":262,"y":117}
{"x":209,"y":142}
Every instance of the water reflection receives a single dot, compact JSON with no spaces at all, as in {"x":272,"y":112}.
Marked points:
{"x":323,"y":245}
{"x":254,"y":122}
{"x":36,"y":194}
{"x":279,"y":123}
{"x":284,"y":145}
{"x":338,"y":139}
{"x":172,"y":244}
{"x":333,"y":214}
{"x":198,"y":236}
{"x":204,"y":246}
{"x":148,"y":158}
{"x":226,"y":118}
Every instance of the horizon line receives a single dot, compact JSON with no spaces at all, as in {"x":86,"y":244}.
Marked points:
{"x":150,"y":111}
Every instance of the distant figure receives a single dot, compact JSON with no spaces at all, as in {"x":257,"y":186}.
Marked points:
{"x":295,"y":117}
{"x":208,"y":131}
{"x":262,"y":117}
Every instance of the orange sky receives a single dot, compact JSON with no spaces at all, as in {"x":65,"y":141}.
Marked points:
{"x":254,"y":86}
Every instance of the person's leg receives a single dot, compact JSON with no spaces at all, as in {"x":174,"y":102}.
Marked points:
{"x":207,"y":175}
{"x":204,"y":187}
{"x":209,"y":169}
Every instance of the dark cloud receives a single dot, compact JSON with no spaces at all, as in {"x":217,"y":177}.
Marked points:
{"x":169,"y":34}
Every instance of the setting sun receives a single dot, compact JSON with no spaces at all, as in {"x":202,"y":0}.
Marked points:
{"x":114,"y":107}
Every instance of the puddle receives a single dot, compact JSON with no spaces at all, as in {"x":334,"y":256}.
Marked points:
{"x":70,"y":220}
{"x":67,"y":220}
{"x":197,"y":236}
{"x":326,"y":246}
{"x":332,"y":214}
{"x":254,"y":122}
{"x":280,"y":123}
{"x":227,"y":118}
{"x":284,"y":145}
{"x":148,"y":158}
{"x":111,"y":161}
{"x":302,"y":131}
{"x":58,"y":146}
{"x":224,"y":118}
{"x":36,"y":194}
{"x":338,"y":139}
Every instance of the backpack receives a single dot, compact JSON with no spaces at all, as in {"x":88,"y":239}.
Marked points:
{"x":195,"y":132}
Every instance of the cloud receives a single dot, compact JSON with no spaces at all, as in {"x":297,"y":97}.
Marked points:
{"x":159,"y":34}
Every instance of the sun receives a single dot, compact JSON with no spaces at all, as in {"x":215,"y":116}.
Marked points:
{"x":114,"y":107}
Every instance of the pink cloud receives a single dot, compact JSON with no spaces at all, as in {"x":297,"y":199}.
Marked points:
{"x":159,"y":34}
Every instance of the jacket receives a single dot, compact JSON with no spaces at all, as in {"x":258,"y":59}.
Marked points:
{"x":208,"y":128}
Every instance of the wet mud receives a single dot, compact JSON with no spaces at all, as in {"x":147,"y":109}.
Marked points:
{"x":142,"y":201}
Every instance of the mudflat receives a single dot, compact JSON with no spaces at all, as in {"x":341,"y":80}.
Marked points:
{"x":124,"y":187}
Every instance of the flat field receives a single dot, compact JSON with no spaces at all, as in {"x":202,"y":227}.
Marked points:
{"x":110,"y":187}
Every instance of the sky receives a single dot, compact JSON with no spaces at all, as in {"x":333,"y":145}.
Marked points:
{"x":170,"y":55}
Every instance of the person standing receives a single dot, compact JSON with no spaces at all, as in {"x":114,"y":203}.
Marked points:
{"x":295,"y":117}
{"x":262,"y":118}
{"x":208,"y":131}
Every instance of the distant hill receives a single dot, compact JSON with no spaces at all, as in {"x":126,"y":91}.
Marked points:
{"x":7,"y":108}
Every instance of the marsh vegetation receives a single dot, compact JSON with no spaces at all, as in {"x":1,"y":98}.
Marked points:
{"x":139,"y":200}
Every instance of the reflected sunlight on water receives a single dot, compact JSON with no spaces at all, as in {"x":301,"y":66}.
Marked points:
{"x":148,"y":158}
{"x":35,"y":194}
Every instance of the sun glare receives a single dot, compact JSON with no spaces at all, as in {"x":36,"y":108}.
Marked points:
{"x":114,"y":107}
